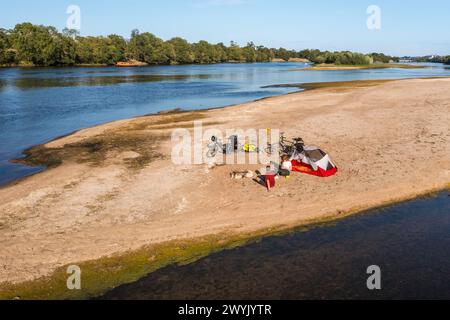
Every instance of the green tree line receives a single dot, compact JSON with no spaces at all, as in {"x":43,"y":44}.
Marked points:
{"x":432,"y":59}
{"x":29,"y":44}
{"x":445,"y":60}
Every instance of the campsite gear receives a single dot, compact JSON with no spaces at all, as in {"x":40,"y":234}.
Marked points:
{"x":215,"y":147}
{"x":299,"y":145}
{"x":284,"y":173}
{"x":286,"y":165}
{"x":241,"y":175}
{"x":233,"y":142}
{"x":250,"y":148}
{"x":232,"y":145}
{"x":313,"y":161}
{"x":249,"y":174}
{"x":283,"y":146}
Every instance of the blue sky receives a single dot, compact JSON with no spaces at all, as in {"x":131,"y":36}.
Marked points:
{"x":408,"y":27}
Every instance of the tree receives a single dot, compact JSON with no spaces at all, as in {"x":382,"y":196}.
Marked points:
{"x":382,"y":58}
{"x":117,"y":47}
{"x":221,"y":52}
{"x":165,"y":53}
{"x":234,"y":52}
{"x":183,"y":51}
{"x":84,"y":51}
{"x":204,"y":52}
{"x":38,"y":45}
{"x":309,"y":54}
{"x":264,"y":54}
{"x":249,"y":53}
{"x":45,"y":46}
{"x":148,"y":48}
{"x":100,"y":50}
{"x":68,"y":45}
{"x":282,"y":53}
{"x":4,"y":47}
{"x":71,"y":33}
{"x":341,"y":58}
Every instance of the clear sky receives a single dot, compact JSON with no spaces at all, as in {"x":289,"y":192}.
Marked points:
{"x":407,"y":27}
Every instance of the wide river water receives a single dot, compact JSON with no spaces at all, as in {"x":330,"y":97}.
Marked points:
{"x":409,"y":242}
{"x":38,"y":105}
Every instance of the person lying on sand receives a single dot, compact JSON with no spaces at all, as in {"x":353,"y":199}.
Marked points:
{"x":268,"y":179}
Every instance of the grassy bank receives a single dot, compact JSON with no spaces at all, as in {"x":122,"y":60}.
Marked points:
{"x":143,"y":138}
{"x":99,"y":276}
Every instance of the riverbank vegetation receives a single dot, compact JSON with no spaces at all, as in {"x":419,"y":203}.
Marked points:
{"x":37,"y":45}
{"x":429,"y":59}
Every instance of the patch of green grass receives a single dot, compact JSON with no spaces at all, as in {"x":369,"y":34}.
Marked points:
{"x":95,"y":150}
{"x":138,"y":137}
{"x":102,"y":275}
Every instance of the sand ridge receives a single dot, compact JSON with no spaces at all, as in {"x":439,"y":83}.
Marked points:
{"x":390,"y":142}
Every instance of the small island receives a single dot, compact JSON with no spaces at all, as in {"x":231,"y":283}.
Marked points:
{"x":332,"y":66}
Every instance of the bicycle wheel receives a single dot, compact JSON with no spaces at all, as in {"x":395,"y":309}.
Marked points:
{"x":211,"y":152}
{"x":288,"y":149}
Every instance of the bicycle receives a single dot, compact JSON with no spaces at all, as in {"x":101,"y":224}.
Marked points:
{"x":217,"y":146}
{"x":282,"y":146}
{"x":299,"y":145}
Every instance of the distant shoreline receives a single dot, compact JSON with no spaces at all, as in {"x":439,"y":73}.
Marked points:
{"x":26,"y":66}
{"x":317,"y":67}
{"x":330,"y":67}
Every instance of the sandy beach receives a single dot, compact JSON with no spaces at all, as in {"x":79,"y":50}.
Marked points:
{"x":113,"y":189}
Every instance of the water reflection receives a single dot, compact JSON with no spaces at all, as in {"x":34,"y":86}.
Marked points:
{"x":89,"y":81}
